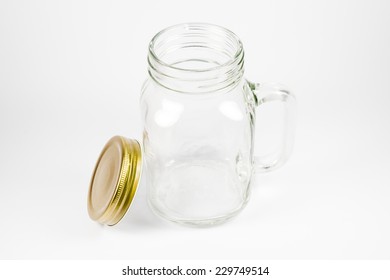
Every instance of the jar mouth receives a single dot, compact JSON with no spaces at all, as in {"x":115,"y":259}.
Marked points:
{"x":196,"y":58}
{"x":194,"y":35}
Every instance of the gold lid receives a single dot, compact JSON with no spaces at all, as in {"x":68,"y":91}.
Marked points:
{"x":114,"y":180}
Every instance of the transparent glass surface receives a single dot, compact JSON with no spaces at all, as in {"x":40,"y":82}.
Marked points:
{"x":199,"y":117}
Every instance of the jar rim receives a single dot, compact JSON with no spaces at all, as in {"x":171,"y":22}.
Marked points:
{"x":197,"y":26}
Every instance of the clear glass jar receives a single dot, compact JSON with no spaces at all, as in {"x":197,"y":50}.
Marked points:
{"x":199,"y":118}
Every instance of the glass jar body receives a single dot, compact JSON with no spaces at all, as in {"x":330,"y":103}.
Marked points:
{"x":198,"y":151}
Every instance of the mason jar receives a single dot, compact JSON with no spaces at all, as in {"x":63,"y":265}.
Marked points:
{"x":199,"y":116}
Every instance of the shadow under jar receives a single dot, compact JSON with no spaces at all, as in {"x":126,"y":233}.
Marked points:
{"x":199,"y":117}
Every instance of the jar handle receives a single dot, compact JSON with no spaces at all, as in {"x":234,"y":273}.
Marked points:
{"x":264,"y":93}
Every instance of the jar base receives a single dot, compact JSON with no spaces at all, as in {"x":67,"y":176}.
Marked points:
{"x":199,"y":223}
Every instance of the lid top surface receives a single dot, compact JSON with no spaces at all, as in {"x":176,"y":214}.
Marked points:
{"x":106,"y":175}
{"x":114,"y":180}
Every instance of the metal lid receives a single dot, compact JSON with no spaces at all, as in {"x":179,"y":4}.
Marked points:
{"x":114,"y":180}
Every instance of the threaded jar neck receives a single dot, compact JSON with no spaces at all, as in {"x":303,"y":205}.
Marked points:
{"x":196,"y":58}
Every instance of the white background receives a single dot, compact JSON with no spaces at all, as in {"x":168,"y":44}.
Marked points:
{"x":70,"y":77}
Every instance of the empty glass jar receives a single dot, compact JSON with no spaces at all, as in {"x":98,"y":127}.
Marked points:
{"x":199,"y":118}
